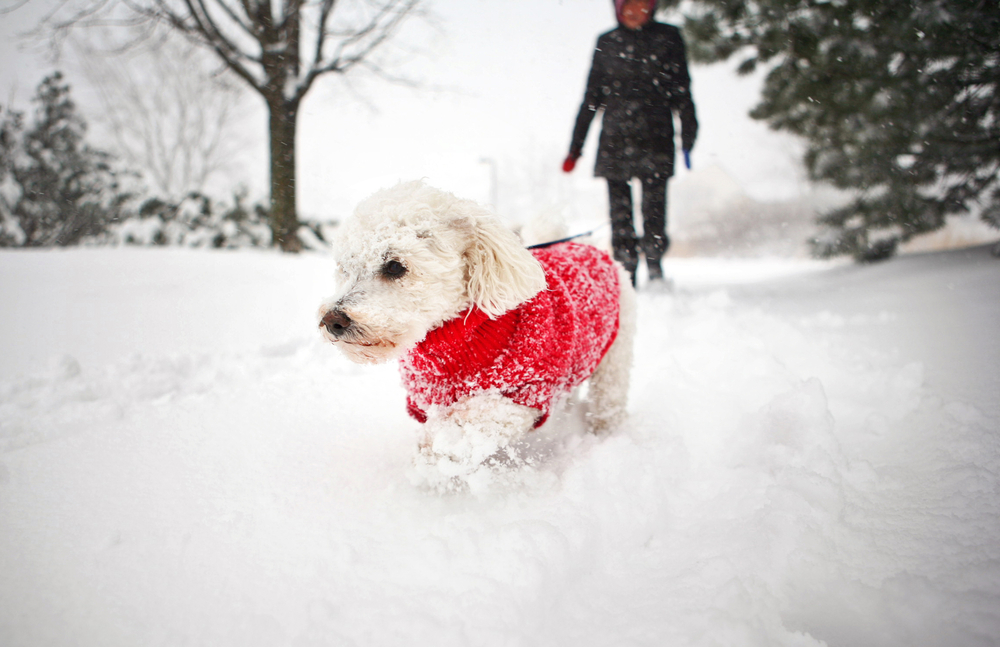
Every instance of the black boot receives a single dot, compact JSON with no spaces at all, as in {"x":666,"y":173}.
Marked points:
{"x":655,"y":269}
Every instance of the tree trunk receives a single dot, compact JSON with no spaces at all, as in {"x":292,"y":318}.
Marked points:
{"x":283,"y":215}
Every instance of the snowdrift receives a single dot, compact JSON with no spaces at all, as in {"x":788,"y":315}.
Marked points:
{"x":811,"y":459}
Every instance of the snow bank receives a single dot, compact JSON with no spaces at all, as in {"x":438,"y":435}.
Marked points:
{"x":191,"y":465}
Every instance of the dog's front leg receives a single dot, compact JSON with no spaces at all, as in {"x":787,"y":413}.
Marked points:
{"x":477,"y":431}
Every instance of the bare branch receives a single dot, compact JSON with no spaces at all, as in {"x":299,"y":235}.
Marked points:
{"x":396,"y":10}
{"x":248,"y":25}
{"x":14,"y":7}
{"x":260,"y":13}
{"x":205,"y":32}
{"x":324,"y":15}
{"x":358,"y":35}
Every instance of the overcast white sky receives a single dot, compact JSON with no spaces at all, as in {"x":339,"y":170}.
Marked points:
{"x":511,"y":74}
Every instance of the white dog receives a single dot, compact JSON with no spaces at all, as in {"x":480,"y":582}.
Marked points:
{"x":489,"y":334}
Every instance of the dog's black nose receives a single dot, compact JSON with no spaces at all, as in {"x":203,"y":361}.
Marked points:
{"x":336,"y":322}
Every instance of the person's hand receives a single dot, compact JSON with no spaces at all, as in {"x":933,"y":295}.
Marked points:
{"x":570,"y":163}
{"x":687,"y":158}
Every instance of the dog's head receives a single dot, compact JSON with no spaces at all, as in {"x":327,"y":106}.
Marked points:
{"x":413,"y":257}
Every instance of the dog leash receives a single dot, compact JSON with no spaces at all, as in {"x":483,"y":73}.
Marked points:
{"x":567,"y":239}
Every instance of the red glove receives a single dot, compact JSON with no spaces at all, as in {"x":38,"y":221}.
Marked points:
{"x":570,"y":163}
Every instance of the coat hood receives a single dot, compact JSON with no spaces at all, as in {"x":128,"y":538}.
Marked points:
{"x":620,"y":3}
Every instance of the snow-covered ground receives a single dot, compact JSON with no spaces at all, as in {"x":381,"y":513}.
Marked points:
{"x":812,"y":458}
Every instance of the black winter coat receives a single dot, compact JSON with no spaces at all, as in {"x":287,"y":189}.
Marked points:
{"x":639,"y":78}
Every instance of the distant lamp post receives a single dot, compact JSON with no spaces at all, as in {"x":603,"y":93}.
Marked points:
{"x":493,"y":180}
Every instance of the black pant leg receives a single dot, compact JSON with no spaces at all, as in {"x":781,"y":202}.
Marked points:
{"x":655,"y":240}
{"x":623,"y":240}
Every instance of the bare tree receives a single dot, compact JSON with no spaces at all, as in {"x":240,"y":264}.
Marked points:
{"x":180,"y":131}
{"x":279,"y":48}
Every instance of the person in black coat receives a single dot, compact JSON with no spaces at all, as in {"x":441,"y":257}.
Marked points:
{"x":639,"y":78}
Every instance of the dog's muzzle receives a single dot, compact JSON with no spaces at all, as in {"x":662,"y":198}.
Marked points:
{"x":337,"y":323}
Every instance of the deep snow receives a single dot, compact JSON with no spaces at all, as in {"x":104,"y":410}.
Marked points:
{"x":812,"y":457}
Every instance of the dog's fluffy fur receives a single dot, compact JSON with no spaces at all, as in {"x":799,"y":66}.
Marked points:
{"x":414,"y":257}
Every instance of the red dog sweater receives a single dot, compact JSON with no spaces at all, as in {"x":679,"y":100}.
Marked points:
{"x":532,"y":354}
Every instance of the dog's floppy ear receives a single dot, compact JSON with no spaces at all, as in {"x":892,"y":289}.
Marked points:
{"x":502,"y":273}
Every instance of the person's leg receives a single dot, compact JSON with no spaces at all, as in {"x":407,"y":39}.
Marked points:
{"x":622,"y":227}
{"x":655,"y":240}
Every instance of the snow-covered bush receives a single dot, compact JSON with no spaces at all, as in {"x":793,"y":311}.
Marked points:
{"x":194,"y":221}
{"x":199,"y":221}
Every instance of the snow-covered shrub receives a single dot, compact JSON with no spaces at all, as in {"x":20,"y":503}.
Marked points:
{"x":194,"y":221}
{"x":199,"y":221}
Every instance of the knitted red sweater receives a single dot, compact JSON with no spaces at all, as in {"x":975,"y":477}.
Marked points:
{"x":532,"y":354}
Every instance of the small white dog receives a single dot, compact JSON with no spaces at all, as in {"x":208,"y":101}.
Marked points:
{"x":489,"y":334}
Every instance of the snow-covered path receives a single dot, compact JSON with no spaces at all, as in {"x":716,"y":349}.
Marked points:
{"x":811,"y":459}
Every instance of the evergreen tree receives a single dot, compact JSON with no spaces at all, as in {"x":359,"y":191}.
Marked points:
{"x":11,"y":125}
{"x":59,"y":190}
{"x":898,"y":101}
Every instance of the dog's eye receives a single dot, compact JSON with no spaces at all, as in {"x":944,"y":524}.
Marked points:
{"x":393,"y":270}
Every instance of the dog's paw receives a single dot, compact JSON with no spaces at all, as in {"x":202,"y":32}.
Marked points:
{"x":447,"y":473}
{"x":464,"y":457}
{"x":467,"y":445}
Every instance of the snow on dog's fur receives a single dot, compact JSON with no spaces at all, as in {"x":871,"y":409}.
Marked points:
{"x":412,"y":260}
